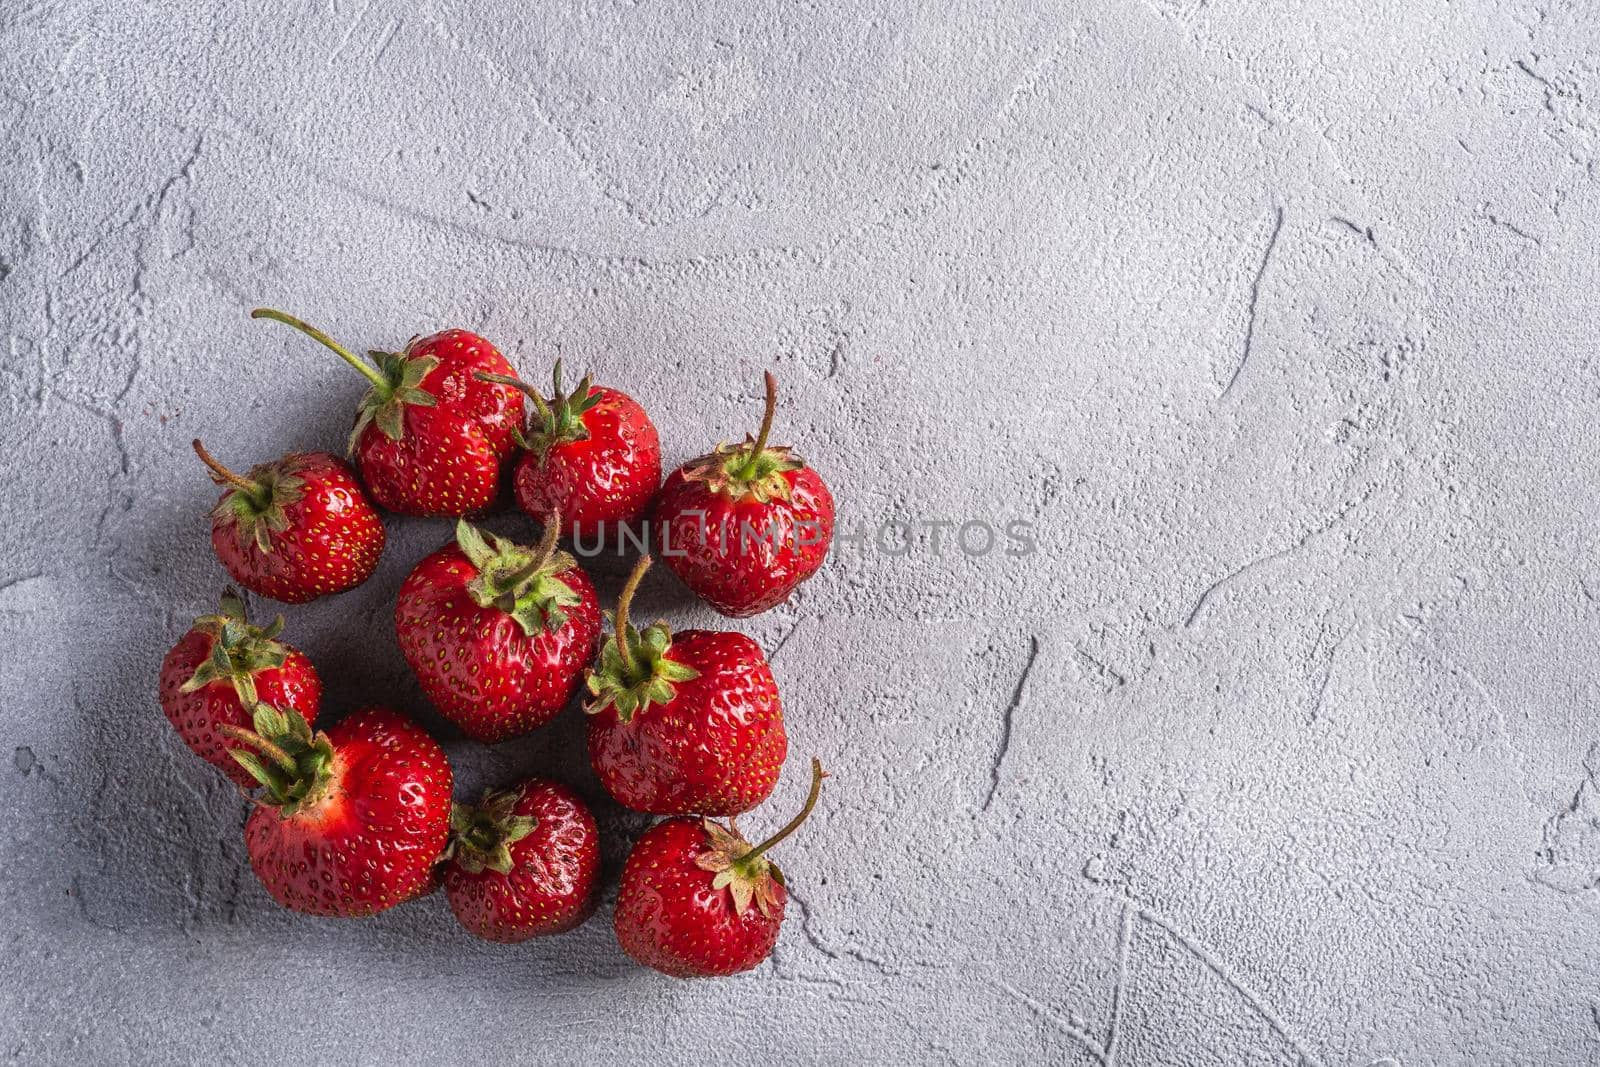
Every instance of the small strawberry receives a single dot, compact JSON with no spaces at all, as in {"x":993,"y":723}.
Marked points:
{"x":216,"y":673}
{"x":744,"y":525}
{"x":684,"y":903}
{"x":429,"y":438}
{"x":353,"y":819}
{"x":593,"y":455}
{"x":685,"y":723}
{"x":523,"y":863}
{"x":295,"y":529}
{"x":498,"y":634}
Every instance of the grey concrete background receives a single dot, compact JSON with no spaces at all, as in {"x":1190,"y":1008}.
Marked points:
{"x":1278,"y":321}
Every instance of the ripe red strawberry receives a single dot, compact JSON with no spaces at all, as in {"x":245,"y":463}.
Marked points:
{"x":523,"y":863}
{"x":429,"y":438}
{"x":295,"y":529}
{"x":217,"y":672}
{"x":744,"y":525}
{"x":352,"y":820}
{"x":685,"y":723}
{"x":592,"y":455}
{"x":684,"y":903}
{"x":498,"y":634}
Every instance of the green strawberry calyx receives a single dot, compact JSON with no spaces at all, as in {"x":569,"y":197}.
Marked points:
{"x":238,"y":649}
{"x":745,"y":871}
{"x":634,"y":670}
{"x":396,"y":379}
{"x":255,"y":504}
{"x":481,"y":836}
{"x":752,"y":469}
{"x":293,"y":765}
{"x":556,"y":421}
{"x":523,"y":582}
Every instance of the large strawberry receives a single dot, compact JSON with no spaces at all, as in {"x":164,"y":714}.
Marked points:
{"x":592,"y":455}
{"x":351,"y":821}
{"x":745,"y":524}
{"x":294,"y":529}
{"x":684,"y":723}
{"x":523,"y":863}
{"x":216,"y":673}
{"x":684,"y":906}
{"x":429,"y":437}
{"x":498,"y":634}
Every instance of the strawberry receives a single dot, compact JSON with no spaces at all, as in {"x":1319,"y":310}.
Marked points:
{"x":744,"y":525}
{"x":523,"y":863}
{"x":294,"y":529}
{"x":429,"y":438}
{"x":593,"y":455}
{"x":684,"y":903}
{"x":217,"y":672}
{"x":685,"y":723}
{"x":498,"y":634}
{"x":352,"y":820}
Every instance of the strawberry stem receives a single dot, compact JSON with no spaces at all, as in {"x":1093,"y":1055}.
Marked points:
{"x":366,"y":369}
{"x":254,"y":740}
{"x":541,"y":556}
{"x":547,"y":541}
{"x":750,"y":468}
{"x":817,"y":775}
{"x":223,"y":474}
{"x":630,"y":662}
{"x":540,"y":405}
{"x":516,"y":383}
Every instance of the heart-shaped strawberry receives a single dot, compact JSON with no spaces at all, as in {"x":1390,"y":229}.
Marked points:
{"x":697,"y":901}
{"x":745,"y":524}
{"x":523,"y":863}
{"x":687,"y":722}
{"x":217,"y":673}
{"x":430,"y":438}
{"x":351,"y":821}
{"x":592,"y":455}
{"x":498,"y":633}
{"x":294,"y":529}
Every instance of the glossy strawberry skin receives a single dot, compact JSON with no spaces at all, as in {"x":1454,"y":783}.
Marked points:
{"x":372,"y":841}
{"x":333,"y":540}
{"x":715,"y":748}
{"x":197,"y":715}
{"x":670,"y":918}
{"x":551,"y":888}
{"x":743,"y":556}
{"x":449,"y":457}
{"x":476,"y":664}
{"x":599,"y":482}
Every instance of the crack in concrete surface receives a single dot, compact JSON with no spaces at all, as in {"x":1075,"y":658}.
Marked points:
{"x":1008,"y":722}
{"x":1252,"y":309}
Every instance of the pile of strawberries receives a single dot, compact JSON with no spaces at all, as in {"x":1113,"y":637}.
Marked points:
{"x":357,"y":818}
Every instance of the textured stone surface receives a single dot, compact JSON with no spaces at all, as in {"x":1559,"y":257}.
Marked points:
{"x":1277,"y":321}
